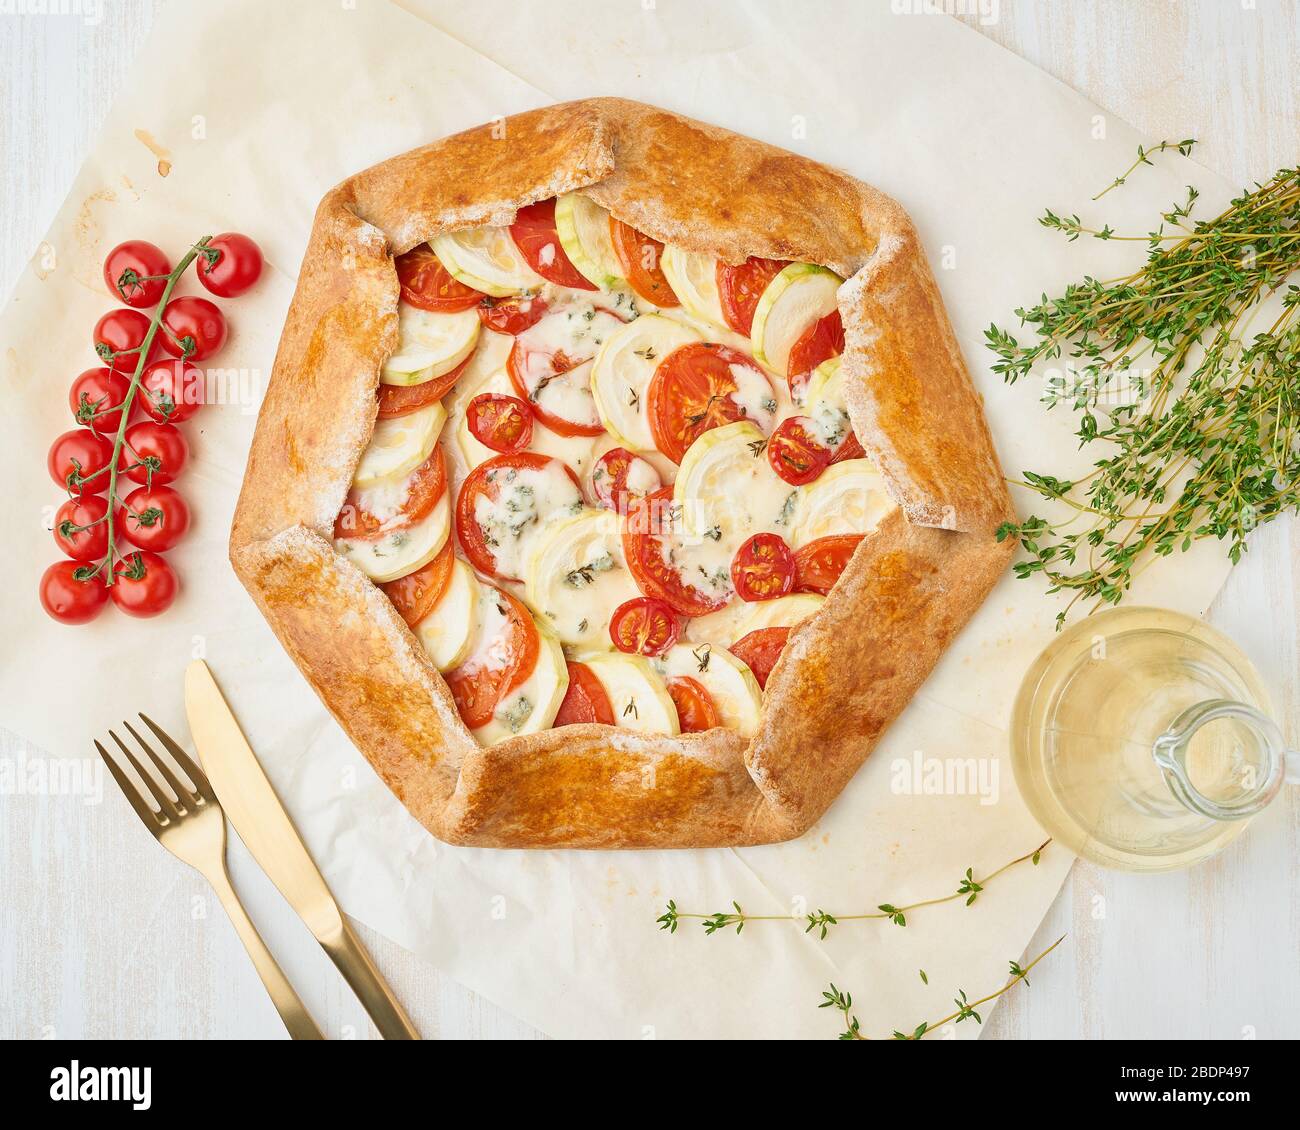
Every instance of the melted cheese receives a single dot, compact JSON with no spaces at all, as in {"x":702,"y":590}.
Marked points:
{"x":526,"y":500}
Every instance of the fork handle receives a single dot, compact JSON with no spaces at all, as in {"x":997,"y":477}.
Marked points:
{"x":287,"y":1002}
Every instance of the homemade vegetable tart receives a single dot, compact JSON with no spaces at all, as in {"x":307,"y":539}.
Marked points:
{"x":618,"y":481}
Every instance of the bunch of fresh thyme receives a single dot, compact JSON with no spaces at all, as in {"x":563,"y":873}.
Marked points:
{"x":1199,"y":417}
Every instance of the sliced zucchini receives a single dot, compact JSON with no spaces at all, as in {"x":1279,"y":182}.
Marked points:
{"x":731,"y":685}
{"x":583,"y":228}
{"x":694,"y":279}
{"x":429,"y":344}
{"x":487,"y":260}
{"x":623,"y":369}
{"x":637,"y":692}
{"x":800,"y":295}
{"x":399,"y":445}
{"x":403,"y":551}
{"x":848,"y":498}
{"x":533,"y":704}
{"x":783,"y":612}
{"x":575,"y":576}
{"x":725,"y":478}
{"x":824,"y":404}
{"x":447,"y":632}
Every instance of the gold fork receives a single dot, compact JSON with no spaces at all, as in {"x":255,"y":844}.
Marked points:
{"x":190,"y":824}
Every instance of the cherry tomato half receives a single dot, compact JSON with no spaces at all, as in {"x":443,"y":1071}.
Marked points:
{"x":639,"y":256}
{"x":153,"y":517}
{"x":192,"y":328}
{"x":795,"y":452}
{"x":763,"y":568}
{"x":96,"y":398}
{"x":80,"y":530}
{"x":534,"y":234}
{"x":644,"y":626}
{"x":426,"y":283}
{"x":117,"y":338}
{"x":503,"y":423}
{"x":154,"y":453}
{"x":695,"y":710}
{"x":586,"y":699}
{"x":618,"y":478}
{"x":78,"y":460}
{"x":171,"y":391}
{"x":511,"y":315}
{"x":136,"y":273}
{"x":230,"y":265}
{"x":740,"y":287}
{"x":143,"y":584}
{"x":760,"y":650}
{"x":68,"y":599}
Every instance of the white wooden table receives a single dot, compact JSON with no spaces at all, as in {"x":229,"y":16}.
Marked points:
{"x":128,"y":949}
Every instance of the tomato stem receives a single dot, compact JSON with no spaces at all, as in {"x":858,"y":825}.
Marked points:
{"x":119,"y":441}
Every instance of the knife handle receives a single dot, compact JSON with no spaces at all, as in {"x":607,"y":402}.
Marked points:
{"x":287,"y":1002}
{"x":372,"y":991}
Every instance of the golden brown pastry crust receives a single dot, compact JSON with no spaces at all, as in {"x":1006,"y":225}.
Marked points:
{"x":847,"y":672}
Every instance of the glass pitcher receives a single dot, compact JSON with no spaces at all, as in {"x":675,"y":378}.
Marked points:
{"x":1141,"y":739}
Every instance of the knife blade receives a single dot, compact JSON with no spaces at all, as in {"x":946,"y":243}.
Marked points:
{"x":268,"y":833}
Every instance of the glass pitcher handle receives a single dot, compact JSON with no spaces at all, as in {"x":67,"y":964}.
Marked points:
{"x":1274,"y":763}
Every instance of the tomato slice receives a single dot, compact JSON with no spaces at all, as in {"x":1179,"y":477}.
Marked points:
{"x":402,"y":400}
{"x":426,"y":283}
{"x":849,"y":448}
{"x":585,"y":700}
{"x":482,"y":481}
{"x":478,"y":687}
{"x":693,"y":391}
{"x":645,"y":528}
{"x":818,"y":565}
{"x":695,"y":710}
{"x":511,"y":315}
{"x":760,"y":650}
{"x":428,"y":483}
{"x":644,"y":625}
{"x":619,"y":477}
{"x":415,"y":595}
{"x":534,"y":234}
{"x":795,"y":452}
{"x":763,"y":568}
{"x":820,"y":342}
{"x":741,"y":287}
{"x":503,"y":423}
{"x":639,"y":256}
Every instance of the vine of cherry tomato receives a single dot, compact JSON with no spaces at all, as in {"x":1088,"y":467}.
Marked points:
{"x":112,"y":534}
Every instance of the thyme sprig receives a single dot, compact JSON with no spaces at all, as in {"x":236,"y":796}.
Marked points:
{"x":842,"y":1002}
{"x":131,"y":562}
{"x":1197,"y":419}
{"x":820,"y":921}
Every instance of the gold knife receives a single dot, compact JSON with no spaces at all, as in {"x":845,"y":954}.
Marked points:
{"x":271,"y":838}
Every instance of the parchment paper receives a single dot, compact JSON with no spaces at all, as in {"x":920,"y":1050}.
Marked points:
{"x":294,"y":96}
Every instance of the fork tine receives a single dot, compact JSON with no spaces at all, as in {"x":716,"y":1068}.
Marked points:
{"x":183,"y":759}
{"x":186,"y":798}
{"x":142,"y":810}
{"x":165,"y":802}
